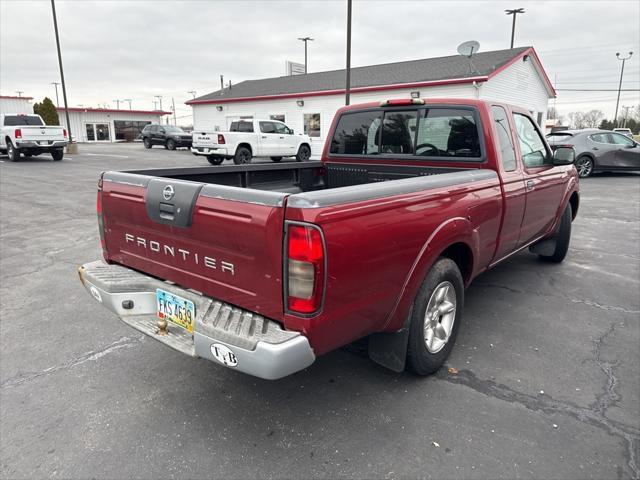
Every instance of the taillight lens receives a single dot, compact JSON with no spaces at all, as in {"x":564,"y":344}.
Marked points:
{"x":305,"y":269}
{"x":64,"y":131}
{"x":18,"y":133}
{"x":221,"y":139}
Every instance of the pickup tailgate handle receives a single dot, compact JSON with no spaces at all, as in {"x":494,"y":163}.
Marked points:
{"x":530,"y":185}
{"x":171,"y":201}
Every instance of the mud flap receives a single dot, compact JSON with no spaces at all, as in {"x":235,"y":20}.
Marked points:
{"x":390,"y":349}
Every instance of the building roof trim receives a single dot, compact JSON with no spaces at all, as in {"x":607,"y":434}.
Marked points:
{"x":114,"y":110}
{"x":10,"y":97}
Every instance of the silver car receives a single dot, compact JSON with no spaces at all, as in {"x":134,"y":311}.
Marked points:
{"x":599,"y":150}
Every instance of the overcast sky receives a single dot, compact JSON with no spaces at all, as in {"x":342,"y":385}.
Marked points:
{"x":139,"y":49}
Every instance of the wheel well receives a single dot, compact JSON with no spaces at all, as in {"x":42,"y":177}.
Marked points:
{"x":462,"y":255}
{"x":7,"y":141}
{"x":574,"y":201}
{"x":588,"y":155}
{"x":246,"y":145}
{"x":305,"y":144}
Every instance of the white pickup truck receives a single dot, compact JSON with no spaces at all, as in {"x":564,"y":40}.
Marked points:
{"x":251,"y":138}
{"x":28,"y":134}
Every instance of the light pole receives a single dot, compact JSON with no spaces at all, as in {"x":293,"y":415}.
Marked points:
{"x":117,"y":103}
{"x":128,"y":100}
{"x":159,"y":97}
{"x":305,"y":40}
{"x":348,"y":79}
{"x":514,"y":12}
{"x":624,"y":59}
{"x":193,"y":93}
{"x":19,"y":92}
{"x":70,"y":147}
{"x":56,"y":85}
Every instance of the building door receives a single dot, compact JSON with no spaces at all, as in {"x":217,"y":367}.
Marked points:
{"x":97,"y":132}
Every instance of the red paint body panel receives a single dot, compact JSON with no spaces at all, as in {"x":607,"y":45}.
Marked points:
{"x":378,"y":250}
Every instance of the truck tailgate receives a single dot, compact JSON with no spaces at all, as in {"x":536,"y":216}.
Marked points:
{"x":205,"y":139}
{"x":225,"y":242}
{"x":43,"y":133}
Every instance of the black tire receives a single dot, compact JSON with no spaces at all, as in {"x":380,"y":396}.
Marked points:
{"x":304,"y":152}
{"x":584,"y":165}
{"x":562,"y":237}
{"x":147,"y":142}
{"x":242,"y":156}
{"x":444,"y":274}
{"x":171,"y":144}
{"x":57,"y":154}
{"x":276,"y":159}
{"x":215,"y":159}
{"x":12,"y":152}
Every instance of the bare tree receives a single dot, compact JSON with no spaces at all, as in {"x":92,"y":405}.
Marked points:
{"x":592,"y":118}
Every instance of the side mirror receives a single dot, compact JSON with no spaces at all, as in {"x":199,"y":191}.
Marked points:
{"x":162,"y":130}
{"x":564,"y":156}
{"x":291,"y":132}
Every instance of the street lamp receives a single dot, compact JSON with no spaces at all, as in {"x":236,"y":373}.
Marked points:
{"x":192,"y":92}
{"x":56,"y":85}
{"x":624,"y":59}
{"x":159,"y":97}
{"x":514,"y":12}
{"x":128,"y":100}
{"x":305,"y":40}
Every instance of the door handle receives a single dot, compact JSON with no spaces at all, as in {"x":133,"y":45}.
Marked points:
{"x":596,"y":148}
{"x":530,"y":185}
{"x":281,"y":137}
{"x":263,"y":136}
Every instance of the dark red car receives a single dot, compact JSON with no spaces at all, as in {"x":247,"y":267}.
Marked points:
{"x":262,"y":268}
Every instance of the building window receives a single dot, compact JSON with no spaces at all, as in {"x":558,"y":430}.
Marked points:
{"x":128,"y":131}
{"x":312,"y":124}
{"x":97,"y":132}
{"x":279,"y":118}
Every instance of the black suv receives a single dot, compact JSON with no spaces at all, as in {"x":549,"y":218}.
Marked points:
{"x":168,"y":135}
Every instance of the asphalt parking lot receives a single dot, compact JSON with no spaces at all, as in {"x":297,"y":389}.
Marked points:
{"x":547,"y":382}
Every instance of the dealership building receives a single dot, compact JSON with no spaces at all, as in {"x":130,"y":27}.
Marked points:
{"x":108,"y":125}
{"x":11,"y":104}
{"x":307,"y":103}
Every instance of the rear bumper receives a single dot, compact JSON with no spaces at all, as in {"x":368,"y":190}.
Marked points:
{"x":260,"y":347}
{"x":37,"y":145}
{"x":222,"y":151}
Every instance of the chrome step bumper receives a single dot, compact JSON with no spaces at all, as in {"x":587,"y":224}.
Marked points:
{"x":223,"y":333}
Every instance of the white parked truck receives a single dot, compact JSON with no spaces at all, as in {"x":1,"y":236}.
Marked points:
{"x":27,"y":134}
{"x":251,"y":138}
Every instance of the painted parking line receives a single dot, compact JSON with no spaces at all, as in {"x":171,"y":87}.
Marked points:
{"x":105,"y":155}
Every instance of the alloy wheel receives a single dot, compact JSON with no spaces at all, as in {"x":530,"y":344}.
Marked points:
{"x":439,"y":317}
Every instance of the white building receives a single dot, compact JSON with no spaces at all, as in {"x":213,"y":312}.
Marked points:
{"x":308,"y":103}
{"x":107,"y":124}
{"x":10,"y":104}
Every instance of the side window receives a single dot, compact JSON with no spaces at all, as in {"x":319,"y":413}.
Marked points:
{"x":599,"y":137}
{"x":507,"y":152}
{"x":399,"y":132}
{"x":267,"y":127}
{"x":618,"y":139}
{"x":448,"y":132}
{"x":233,"y":127}
{"x":246,"y":127}
{"x":281,"y":128}
{"x":357,"y":134}
{"x":534,"y":153}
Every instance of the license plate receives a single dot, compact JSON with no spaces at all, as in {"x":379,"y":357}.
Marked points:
{"x":176,"y":309}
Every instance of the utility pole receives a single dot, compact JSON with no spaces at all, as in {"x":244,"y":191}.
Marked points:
{"x":70,"y":147}
{"x":155,"y":106}
{"x":117,"y":104}
{"x":305,"y":40}
{"x":193,"y":93}
{"x":128,"y":100}
{"x":221,"y":84}
{"x":19,"y":92}
{"x":159,"y":97}
{"x":348,"y":80}
{"x":175,"y":119}
{"x":514,"y":12}
{"x":626,"y":112}
{"x":56,"y":85}
{"x":624,"y":59}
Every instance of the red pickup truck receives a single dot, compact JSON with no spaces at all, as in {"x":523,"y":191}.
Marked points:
{"x":262,"y":268}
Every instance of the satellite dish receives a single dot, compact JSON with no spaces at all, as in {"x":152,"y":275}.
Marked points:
{"x":467,"y":49}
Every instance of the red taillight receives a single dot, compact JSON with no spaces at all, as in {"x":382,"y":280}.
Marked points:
{"x":64,"y":131}
{"x":18,"y":133}
{"x":221,"y":139}
{"x":305,"y":269}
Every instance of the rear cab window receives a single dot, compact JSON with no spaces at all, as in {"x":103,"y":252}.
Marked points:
{"x":18,"y":120}
{"x":434,"y":132}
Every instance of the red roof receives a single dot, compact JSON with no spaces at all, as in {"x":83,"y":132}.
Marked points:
{"x":9,"y":97}
{"x":114,"y":110}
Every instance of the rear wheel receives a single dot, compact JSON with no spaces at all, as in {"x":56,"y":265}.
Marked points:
{"x":12,"y":152}
{"x":276,"y":159}
{"x":214,"y":159}
{"x":304,"y":152}
{"x":562,"y":238}
{"x":242,"y":156}
{"x":57,"y":154}
{"x":171,"y":144}
{"x":147,"y":142}
{"x":584,"y":165}
{"x":435,"y":317}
